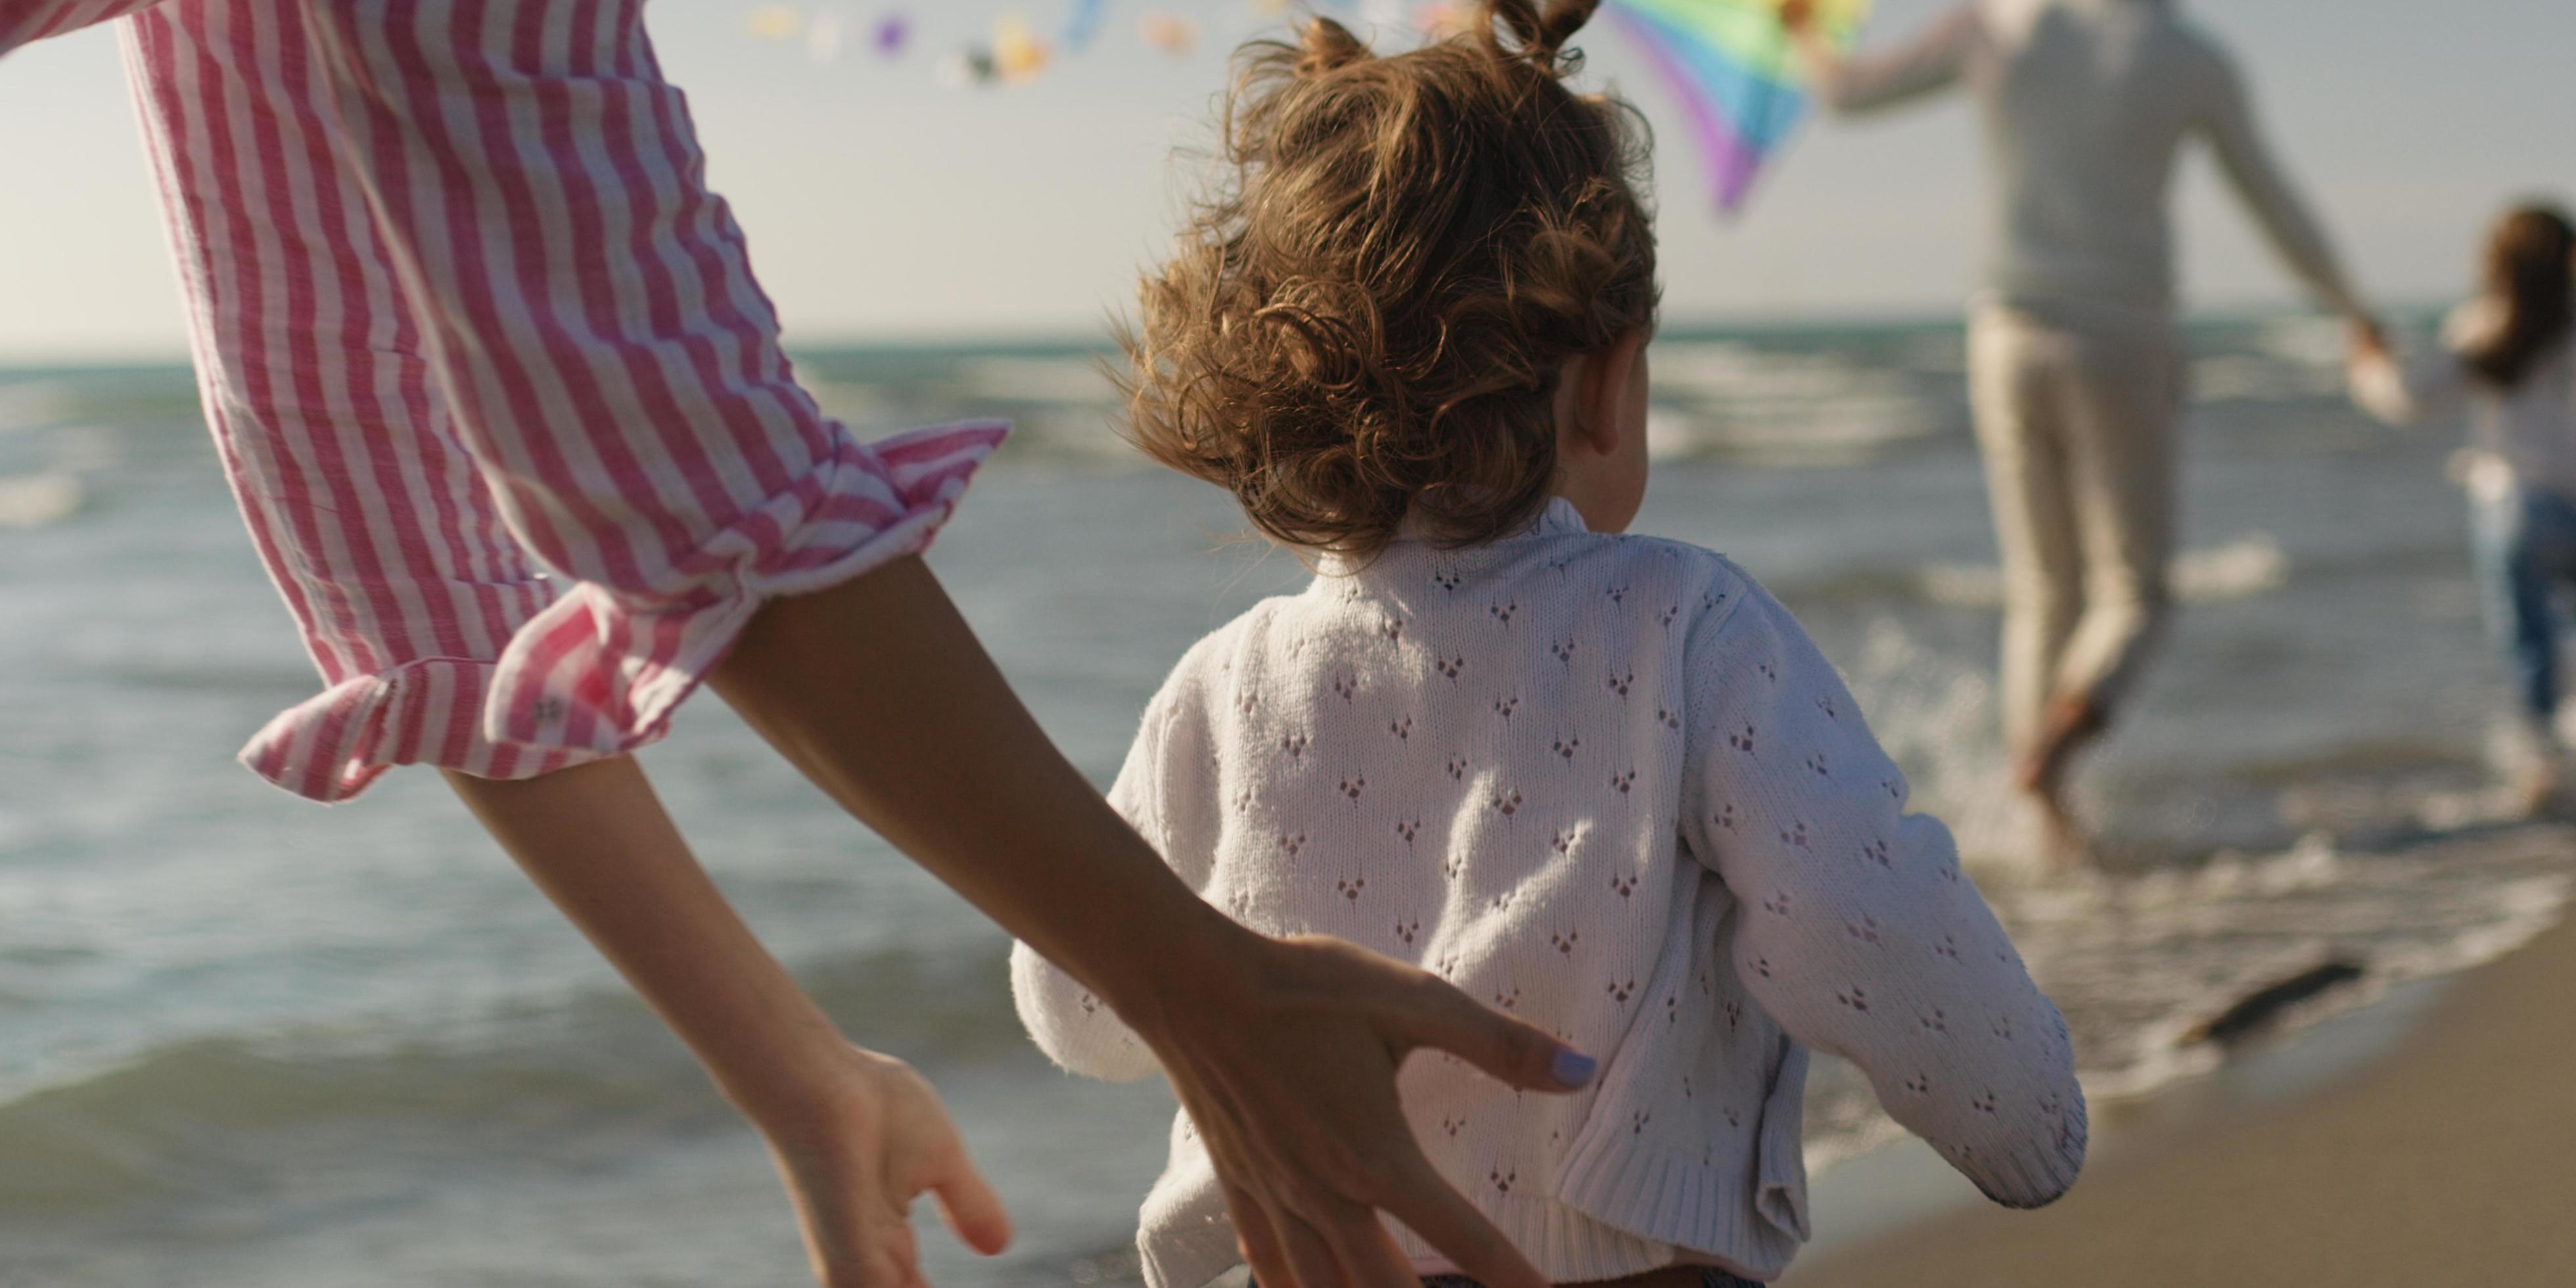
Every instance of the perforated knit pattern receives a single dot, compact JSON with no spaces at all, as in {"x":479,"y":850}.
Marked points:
{"x":1605,"y":783}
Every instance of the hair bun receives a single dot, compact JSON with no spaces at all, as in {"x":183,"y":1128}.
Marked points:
{"x":1541,"y":36}
{"x":1326,"y":46}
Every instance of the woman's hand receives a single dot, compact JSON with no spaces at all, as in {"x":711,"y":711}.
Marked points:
{"x":858,"y":1136}
{"x":1807,"y":38}
{"x":2365,"y":341}
{"x":855,"y":1150}
{"x":1283,"y":1052}
{"x":1287,"y":1064}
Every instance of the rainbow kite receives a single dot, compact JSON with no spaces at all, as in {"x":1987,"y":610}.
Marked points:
{"x":1736,"y":70}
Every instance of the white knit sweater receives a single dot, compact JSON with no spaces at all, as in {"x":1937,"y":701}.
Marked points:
{"x":1608,"y":784}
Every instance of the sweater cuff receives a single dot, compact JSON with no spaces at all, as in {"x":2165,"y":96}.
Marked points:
{"x":2037,"y":1176}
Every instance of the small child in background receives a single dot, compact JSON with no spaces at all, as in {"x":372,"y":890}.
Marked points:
{"x":1603,"y":781}
{"x":2509,"y":355}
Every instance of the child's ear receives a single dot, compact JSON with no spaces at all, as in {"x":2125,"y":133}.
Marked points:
{"x":1607,"y":386}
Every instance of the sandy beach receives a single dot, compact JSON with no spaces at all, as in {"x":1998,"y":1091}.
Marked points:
{"x":2449,"y":1160}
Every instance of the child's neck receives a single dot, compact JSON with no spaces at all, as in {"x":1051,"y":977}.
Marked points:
{"x":1603,"y":508}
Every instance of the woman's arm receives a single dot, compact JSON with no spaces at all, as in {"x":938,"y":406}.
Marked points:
{"x":1068,"y":1021}
{"x":1283,"y":1052}
{"x":2227,"y":120}
{"x":1932,"y":61}
{"x":857,"y":1136}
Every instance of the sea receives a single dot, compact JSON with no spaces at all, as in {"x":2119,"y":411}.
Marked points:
{"x":246,"y":1040}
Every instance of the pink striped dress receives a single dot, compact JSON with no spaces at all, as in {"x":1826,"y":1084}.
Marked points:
{"x":464,"y":312}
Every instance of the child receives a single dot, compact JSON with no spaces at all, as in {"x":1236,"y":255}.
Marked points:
{"x":2508,"y":355}
{"x":1604,"y":781}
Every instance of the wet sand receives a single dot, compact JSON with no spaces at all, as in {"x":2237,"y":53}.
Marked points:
{"x":2449,"y":1158}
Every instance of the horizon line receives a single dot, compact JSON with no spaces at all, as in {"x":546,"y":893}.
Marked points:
{"x":1894,"y":316}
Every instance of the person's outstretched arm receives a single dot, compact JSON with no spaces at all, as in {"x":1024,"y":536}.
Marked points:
{"x":1932,"y":61}
{"x":856,"y":1135}
{"x":2227,"y":119}
{"x":1284,"y":1052}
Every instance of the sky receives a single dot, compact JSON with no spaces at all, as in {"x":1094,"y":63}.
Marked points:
{"x":882,"y":205}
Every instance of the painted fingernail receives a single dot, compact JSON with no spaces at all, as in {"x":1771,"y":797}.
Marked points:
{"x":1573,"y":1068}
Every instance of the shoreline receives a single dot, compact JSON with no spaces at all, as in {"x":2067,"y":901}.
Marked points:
{"x":2425,"y":1136}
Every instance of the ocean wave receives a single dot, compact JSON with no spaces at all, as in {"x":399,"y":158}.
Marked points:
{"x":1741,"y":400}
{"x":2310,"y":340}
{"x":42,"y":398}
{"x":1750,"y":372}
{"x":1934,"y":712}
{"x":189,"y":667}
{"x":26,"y":404}
{"x":36,"y":500}
{"x":594,"y":1061}
{"x":2410,"y":864}
{"x":2191,"y":942}
{"x":2243,"y":378}
{"x":1031,"y":379}
{"x":2251,"y":565}
{"x":2138,"y":963}
{"x":149,"y":1126}
{"x":1848,"y":431}
{"x":2248,"y":567}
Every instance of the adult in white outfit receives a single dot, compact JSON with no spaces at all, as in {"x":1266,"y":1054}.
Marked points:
{"x":2075,"y":361}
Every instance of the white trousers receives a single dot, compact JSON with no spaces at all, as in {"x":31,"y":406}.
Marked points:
{"x":2076,"y":420}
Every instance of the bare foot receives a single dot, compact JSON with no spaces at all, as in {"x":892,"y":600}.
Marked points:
{"x":2535,"y":794}
{"x":2072,"y":724}
{"x":2063,"y":843}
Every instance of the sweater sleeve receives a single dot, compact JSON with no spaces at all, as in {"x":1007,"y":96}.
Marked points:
{"x":1855,"y":929}
{"x":1932,"y":61}
{"x":2227,"y":120}
{"x":1072,"y":1025}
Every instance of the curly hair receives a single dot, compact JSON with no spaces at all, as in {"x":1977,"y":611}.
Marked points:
{"x":1362,"y":325}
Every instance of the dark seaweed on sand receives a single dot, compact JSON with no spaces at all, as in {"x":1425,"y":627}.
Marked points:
{"x":2261,"y":1006}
